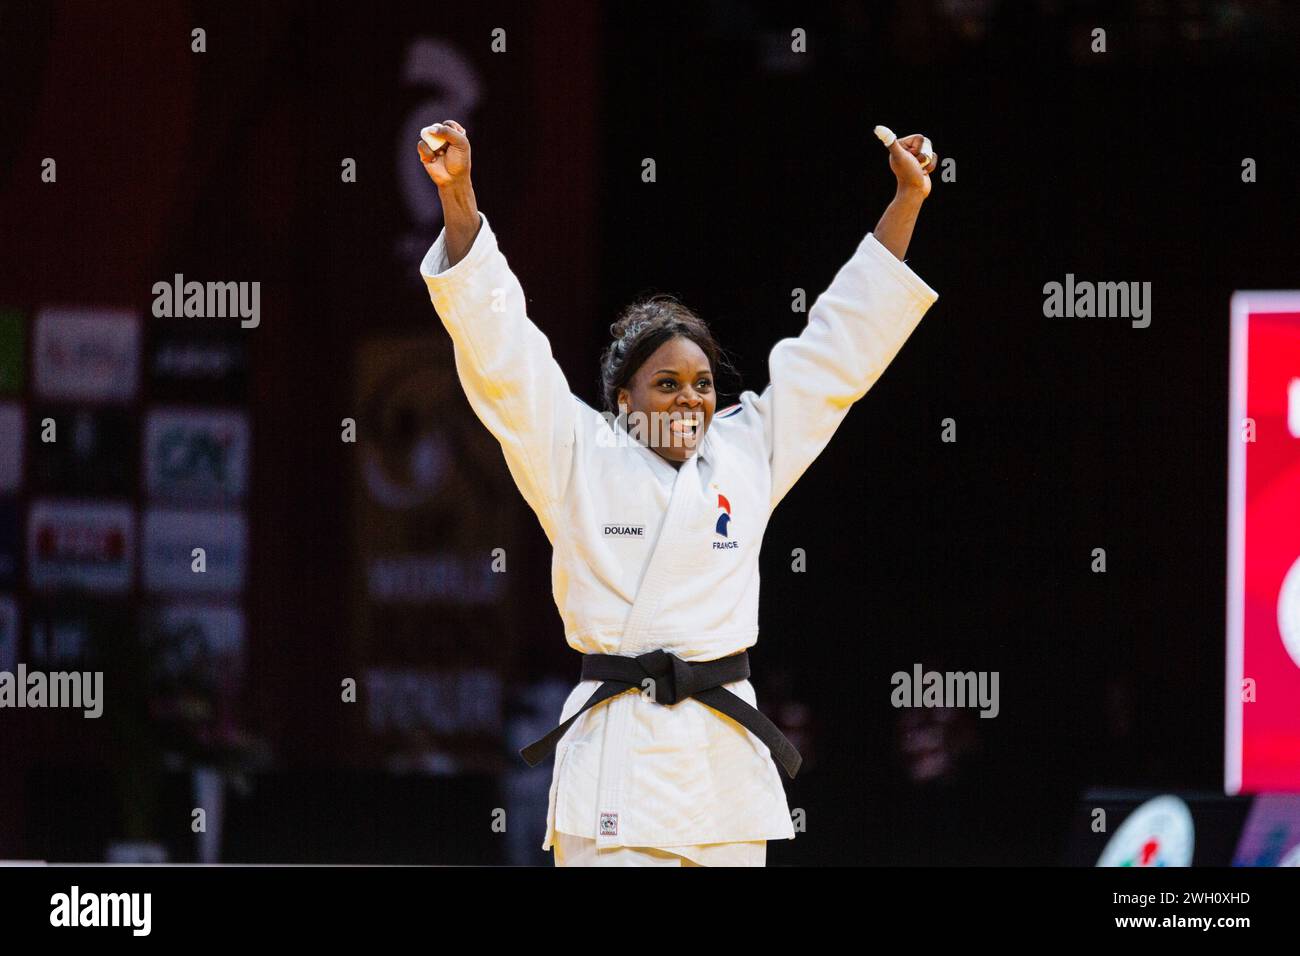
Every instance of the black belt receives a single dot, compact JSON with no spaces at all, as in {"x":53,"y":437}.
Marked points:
{"x":674,"y":680}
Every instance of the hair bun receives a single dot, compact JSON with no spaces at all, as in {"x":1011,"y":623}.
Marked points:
{"x":643,"y":326}
{"x":632,"y":321}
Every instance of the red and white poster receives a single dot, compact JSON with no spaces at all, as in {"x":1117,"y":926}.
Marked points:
{"x":1262,"y":751}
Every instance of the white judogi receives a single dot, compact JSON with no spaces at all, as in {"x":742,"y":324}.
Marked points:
{"x":649,"y":556}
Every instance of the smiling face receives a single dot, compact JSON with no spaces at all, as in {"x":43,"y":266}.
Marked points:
{"x":673,"y":393}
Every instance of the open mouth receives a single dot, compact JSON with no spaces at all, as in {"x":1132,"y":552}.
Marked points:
{"x":685,"y":429}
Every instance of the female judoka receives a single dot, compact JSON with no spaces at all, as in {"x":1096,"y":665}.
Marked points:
{"x":655,"y":510}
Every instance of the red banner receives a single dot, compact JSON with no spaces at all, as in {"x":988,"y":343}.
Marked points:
{"x":1263,"y":673}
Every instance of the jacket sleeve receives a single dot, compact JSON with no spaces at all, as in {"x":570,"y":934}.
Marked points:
{"x":504,"y":361}
{"x":854,"y":330}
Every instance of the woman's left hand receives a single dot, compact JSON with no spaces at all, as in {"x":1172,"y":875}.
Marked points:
{"x":905,"y":160}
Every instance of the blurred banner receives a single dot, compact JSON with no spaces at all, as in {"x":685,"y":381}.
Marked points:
{"x":282,"y":155}
{"x":435,"y":529}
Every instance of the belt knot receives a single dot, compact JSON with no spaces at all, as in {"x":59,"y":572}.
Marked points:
{"x":670,"y":677}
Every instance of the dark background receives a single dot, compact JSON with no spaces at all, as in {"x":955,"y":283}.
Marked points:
{"x":1072,"y":434}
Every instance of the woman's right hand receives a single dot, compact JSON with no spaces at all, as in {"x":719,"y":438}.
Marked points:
{"x":449,"y":165}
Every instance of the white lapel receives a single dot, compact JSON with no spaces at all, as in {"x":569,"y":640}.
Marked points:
{"x":655,"y":580}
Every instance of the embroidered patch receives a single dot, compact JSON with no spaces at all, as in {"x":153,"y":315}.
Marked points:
{"x":609,"y":824}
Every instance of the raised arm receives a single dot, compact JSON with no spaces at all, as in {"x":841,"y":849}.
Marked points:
{"x":449,"y":169}
{"x":894,"y":231}
{"x":504,"y":361}
{"x":855,"y":328}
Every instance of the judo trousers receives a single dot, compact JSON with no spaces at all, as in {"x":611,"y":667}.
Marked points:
{"x":573,"y":850}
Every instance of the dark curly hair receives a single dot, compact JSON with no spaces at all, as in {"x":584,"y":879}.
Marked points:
{"x":644,"y":326}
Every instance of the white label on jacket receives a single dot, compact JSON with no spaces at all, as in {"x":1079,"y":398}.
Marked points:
{"x":624,"y":531}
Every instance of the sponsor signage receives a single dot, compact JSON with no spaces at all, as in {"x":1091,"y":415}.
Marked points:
{"x":86,"y":355}
{"x":87,"y":545}
{"x":93,"y":452}
{"x":196,"y":455}
{"x":171,"y":538}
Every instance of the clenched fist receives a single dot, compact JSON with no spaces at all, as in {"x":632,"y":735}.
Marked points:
{"x":448,"y":165}
{"x":905,"y":159}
